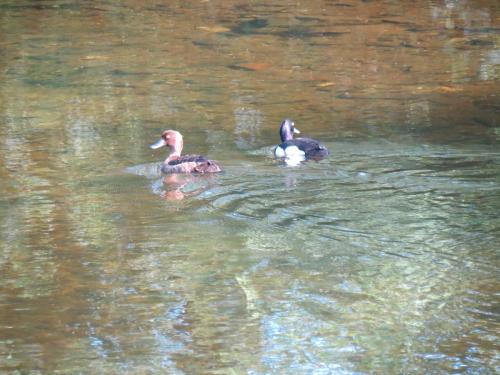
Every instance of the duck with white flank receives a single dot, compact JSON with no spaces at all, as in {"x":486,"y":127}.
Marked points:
{"x":175,"y":163}
{"x":293,"y":151}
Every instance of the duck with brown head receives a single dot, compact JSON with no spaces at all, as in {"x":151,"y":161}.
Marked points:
{"x":293,"y":151}
{"x":176,"y":163}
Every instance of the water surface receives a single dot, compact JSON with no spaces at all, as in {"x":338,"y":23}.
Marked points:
{"x":382,"y":258}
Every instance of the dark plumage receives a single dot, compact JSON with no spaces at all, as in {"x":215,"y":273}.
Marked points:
{"x":299,"y":148}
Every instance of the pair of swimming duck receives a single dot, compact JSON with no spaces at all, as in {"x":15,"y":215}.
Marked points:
{"x":290,"y":149}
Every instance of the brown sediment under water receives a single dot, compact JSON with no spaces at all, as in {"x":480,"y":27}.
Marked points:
{"x":380,"y":259}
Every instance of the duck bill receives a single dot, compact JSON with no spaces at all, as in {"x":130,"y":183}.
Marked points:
{"x":161,"y":142}
{"x":296,"y":131}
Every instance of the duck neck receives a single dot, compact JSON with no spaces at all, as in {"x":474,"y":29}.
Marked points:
{"x":285,"y":134}
{"x":175,"y":151}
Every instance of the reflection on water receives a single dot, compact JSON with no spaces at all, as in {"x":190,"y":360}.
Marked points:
{"x":379,"y":259}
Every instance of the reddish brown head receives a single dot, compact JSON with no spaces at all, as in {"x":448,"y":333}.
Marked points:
{"x":172,"y":139}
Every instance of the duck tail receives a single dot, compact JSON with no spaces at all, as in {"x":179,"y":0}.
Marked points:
{"x":208,"y":166}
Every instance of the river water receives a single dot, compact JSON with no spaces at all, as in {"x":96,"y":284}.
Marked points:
{"x":380,"y":259}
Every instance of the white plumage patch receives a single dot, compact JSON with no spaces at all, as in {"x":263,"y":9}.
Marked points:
{"x":294,"y":152}
{"x":279,"y":152}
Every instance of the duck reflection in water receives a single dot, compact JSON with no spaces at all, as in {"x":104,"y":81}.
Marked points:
{"x":176,"y":187}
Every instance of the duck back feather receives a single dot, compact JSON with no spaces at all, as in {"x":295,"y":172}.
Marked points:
{"x":188,"y":159}
{"x":190,"y":164}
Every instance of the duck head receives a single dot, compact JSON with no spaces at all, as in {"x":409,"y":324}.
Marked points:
{"x":172,"y":139}
{"x":287,"y":129}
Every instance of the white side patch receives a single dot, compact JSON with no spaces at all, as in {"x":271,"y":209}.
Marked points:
{"x":294,"y":152}
{"x":294,"y":156}
{"x":279,"y":152}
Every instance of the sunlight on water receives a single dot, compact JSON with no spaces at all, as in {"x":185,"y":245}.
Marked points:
{"x":364,"y":258}
{"x":381,"y":258}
